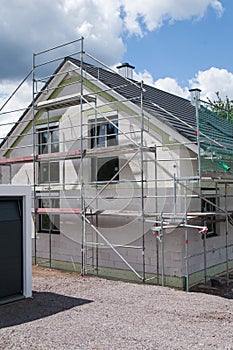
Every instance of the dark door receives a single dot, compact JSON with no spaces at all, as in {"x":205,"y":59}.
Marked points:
{"x":11,"y":249}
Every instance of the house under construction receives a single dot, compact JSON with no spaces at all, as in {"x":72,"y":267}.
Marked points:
{"x":128,"y":181}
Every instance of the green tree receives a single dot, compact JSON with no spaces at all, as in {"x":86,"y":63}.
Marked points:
{"x":224,"y":108}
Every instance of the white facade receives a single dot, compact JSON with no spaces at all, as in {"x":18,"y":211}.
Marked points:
{"x":154,"y":186}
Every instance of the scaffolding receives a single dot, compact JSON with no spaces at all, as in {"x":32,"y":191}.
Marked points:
{"x":78,"y":129}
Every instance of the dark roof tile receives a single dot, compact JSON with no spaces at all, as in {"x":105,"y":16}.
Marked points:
{"x":174,"y":110}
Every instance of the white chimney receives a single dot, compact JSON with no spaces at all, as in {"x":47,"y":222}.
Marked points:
{"x":126,"y":70}
{"x":195,"y":96}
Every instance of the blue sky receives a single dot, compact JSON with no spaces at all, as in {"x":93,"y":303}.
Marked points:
{"x":184,"y":48}
{"x":179,"y":50}
{"x":174,"y":44}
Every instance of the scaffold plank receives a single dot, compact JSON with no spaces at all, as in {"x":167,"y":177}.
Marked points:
{"x":63,"y":101}
{"x":59,"y":210}
{"x":104,"y":151}
{"x":43,"y":157}
{"x":117,"y":150}
{"x":60,"y":155}
{"x":6,"y":161}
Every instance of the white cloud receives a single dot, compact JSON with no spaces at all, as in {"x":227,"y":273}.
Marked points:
{"x":36,"y":25}
{"x":212,"y":80}
{"x":166,"y":84}
{"x":153,"y":13}
{"x":172,"y":86}
{"x":110,"y":18}
{"x":209,"y":81}
{"x":104,"y":23}
{"x":20,"y":99}
{"x":144,"y":76}
{"x":100,"y":24}
{"x":16,"y":105}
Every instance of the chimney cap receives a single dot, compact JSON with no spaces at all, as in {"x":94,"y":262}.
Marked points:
{"x":124,"y":65}
{"x":195,"y":89}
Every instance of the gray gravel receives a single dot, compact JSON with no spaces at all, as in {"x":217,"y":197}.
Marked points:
{"x":71,"y":312}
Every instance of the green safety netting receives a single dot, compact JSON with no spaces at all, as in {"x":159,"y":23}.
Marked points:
{"x":216,"y":142}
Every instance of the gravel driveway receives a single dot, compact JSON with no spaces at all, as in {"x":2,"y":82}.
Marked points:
{"x":71,"y":312}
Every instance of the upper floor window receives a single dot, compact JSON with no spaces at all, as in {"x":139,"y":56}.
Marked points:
{"x":104,"y":133}
{"x":48,"y":142}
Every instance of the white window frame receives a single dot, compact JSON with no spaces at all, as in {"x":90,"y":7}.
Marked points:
{"x":39,"y":129}
{"x":94,"y":122}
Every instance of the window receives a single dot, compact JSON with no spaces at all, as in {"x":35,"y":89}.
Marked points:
{"x":107,"y":168}
{"x":48,"y":172}
{"x":104,"y":134}
{"x":209,"y":206}
{"x":49,"y":222}
{"x":48,"y":142}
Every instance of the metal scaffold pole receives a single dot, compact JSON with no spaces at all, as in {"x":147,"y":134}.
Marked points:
{"x":142,"y":187}
{"x":186,"y":258}
{"x":204,"y":257}
{"x":227,"y":232}
{"x":186,"y":244}
{"x":34,"y":158}
{"x":162,"y":250}
{"x":82,"y":189}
